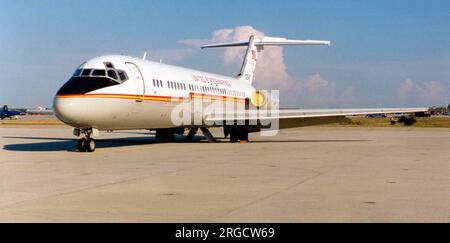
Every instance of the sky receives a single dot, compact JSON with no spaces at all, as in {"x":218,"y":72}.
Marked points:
{"x":384,"y":53}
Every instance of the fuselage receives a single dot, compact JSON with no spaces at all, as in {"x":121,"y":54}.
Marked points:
{"x":121,"y":92}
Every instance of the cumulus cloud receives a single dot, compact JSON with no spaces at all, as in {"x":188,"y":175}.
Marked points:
{"x":271,"y":71}
{"x":405,"y":91}
{"x":423,"y":93}
{"x":316,"y":89}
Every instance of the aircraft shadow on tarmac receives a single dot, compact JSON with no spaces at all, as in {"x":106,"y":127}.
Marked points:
{"x":66,"y":144}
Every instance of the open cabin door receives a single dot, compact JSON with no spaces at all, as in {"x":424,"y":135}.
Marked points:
{"x":138,"y":78}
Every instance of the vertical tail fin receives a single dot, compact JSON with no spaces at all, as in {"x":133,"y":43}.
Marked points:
{"x":249,"y":65}
{"x":254,"y":46}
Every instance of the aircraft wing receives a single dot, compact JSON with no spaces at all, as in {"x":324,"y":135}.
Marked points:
{"x":290,"y":118}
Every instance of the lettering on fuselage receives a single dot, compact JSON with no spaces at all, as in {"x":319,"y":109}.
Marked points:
{"x":211,"y":81}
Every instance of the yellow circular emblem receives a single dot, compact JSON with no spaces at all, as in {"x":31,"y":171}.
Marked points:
{"x":258,"y":98}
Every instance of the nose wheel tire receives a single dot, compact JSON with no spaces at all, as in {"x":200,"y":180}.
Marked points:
{"x":90,"y":145}
{"x":86,"y":145}
{"x":81,"y":144}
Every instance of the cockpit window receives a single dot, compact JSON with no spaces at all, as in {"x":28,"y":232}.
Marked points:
{"x":86,"y":72}
{"x":122,"y":75}
{"x":83,"y":85}
{"x":118,"y":75}
{"x":112,"y":74}
{"x":99,"y":72}
{"x":77,"y":73}
{"x":87,"y":80}
{"x":109,"y":65}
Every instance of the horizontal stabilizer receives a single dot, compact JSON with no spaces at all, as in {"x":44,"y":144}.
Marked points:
{"x":269,"y":41}
{"x":272,"y":41}
{"x":255,"y":45}
{"x":227,"y":44}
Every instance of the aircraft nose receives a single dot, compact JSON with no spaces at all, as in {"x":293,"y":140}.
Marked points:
{"x":69,"y":111}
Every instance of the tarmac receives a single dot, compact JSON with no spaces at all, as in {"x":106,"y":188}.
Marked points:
{"x":315,"y":174}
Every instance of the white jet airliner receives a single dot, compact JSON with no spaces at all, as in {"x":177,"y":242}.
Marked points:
{"x":120,"y":93}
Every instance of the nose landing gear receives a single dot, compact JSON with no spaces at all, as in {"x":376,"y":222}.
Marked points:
{"x":86,"y":143}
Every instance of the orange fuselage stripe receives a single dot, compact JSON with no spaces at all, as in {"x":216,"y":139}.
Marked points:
{"x":156,"y":98}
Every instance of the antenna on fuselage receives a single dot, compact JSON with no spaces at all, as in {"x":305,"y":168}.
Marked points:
{"x":145,"y":56}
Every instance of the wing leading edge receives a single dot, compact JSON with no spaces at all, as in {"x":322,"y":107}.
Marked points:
{"x":300,"y":117}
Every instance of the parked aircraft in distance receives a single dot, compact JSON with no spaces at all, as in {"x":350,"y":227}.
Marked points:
{"x":39,"y":111}
{"x":118,"y":92}
{"x":6,"y":113}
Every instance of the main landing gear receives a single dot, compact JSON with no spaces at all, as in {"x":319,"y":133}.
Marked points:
{"x":191,"y":134}
{"x":86,"y":143}
{"x":165,"y":135}
{"x":236,"y":133}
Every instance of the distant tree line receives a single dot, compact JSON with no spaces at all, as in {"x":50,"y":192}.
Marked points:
{"x":440,"y":110}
